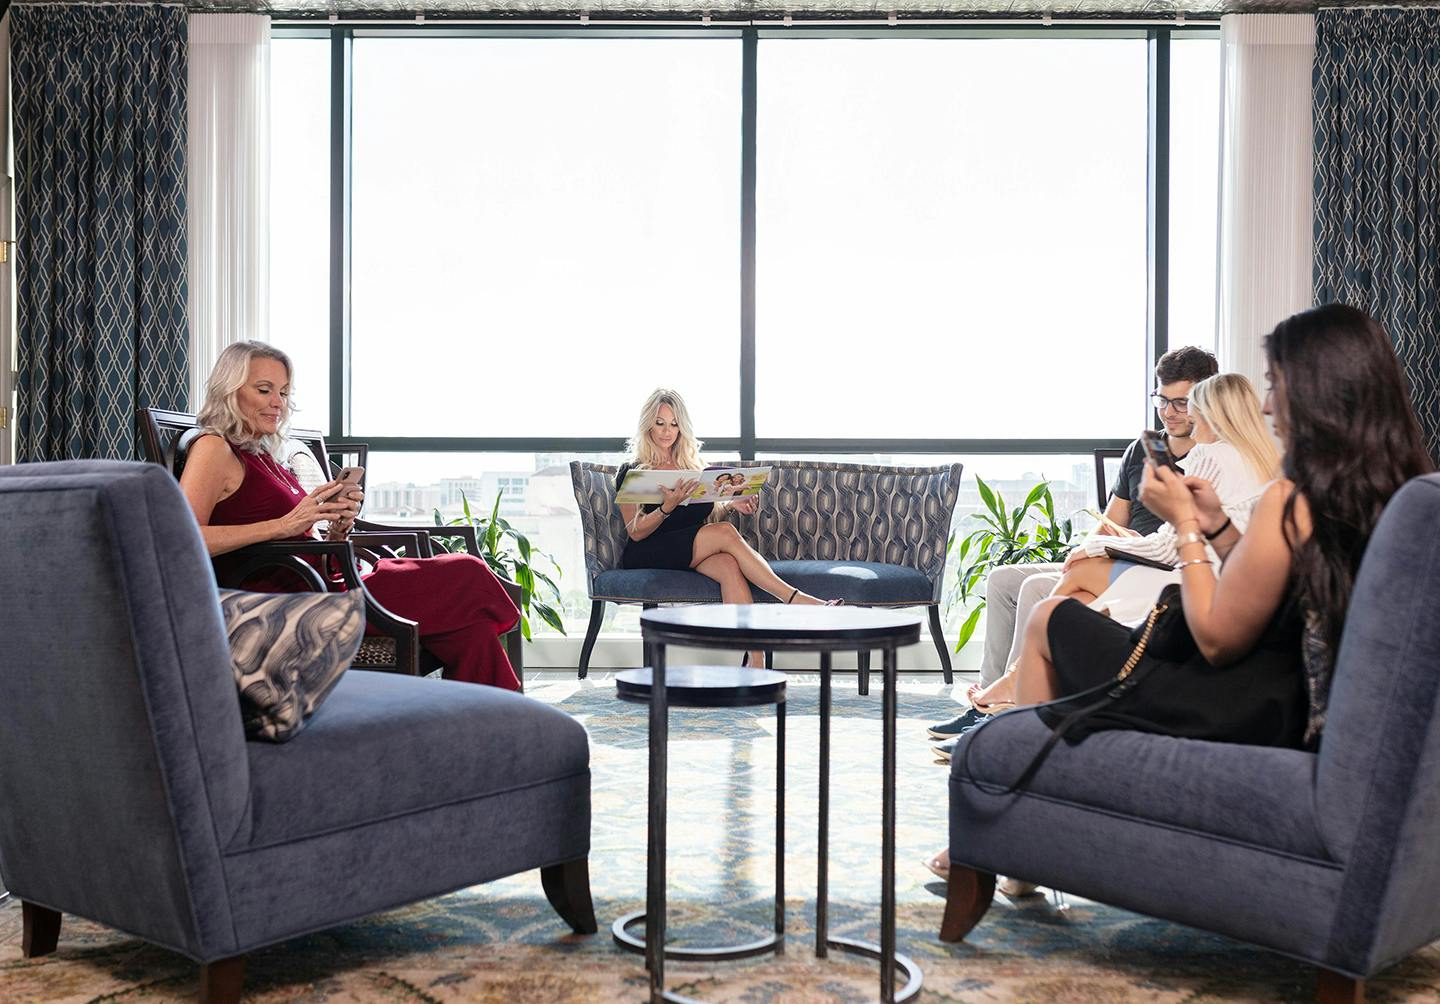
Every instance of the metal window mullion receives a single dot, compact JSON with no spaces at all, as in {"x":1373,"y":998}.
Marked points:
{"x":1157,"y":203}
{"x":341,"y":41}
{"x":748,"y":53}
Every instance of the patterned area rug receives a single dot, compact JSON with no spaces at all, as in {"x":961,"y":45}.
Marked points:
{"x":500,"y":942}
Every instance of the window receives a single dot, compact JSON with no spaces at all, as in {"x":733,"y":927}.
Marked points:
{"x":548,"y":229}
{"x":541,"y":225}
{"x":1194,"y":188}
{"x":300,"y":219}
{"x":938,"y":216}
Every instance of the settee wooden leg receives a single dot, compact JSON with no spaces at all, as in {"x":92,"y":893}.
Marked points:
{"x":1337,"y":988}
{"x":40,"y":930}
{"x":967,"y":896}
{"x":938,"y":637}
{"x":222,"y":980}
{"x":567,"y":887}
{"x":597,"y":614}
{"x":862,"y":667}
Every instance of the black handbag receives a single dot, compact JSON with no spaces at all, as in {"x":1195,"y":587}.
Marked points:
{"x":1163,"y":634}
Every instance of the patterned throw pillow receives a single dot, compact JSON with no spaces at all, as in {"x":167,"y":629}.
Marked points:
{"x":288,"y":651}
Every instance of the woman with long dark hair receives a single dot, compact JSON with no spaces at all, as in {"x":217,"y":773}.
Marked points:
{"x":1266,"y":627}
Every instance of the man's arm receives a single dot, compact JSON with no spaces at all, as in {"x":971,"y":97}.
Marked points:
{"x":1118,"y":510}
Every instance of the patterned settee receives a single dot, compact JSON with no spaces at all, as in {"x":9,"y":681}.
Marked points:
{"x":868,"y":534}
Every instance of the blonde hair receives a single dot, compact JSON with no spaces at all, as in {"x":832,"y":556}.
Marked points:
{"x":686,"y":451}
{"x":220,"y":414}
{"x":1228,"y":402}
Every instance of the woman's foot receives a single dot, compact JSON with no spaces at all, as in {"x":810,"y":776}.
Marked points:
{"x":806,"y":600}
{"x":754,"y":659}
{"x":1016,"y":888}
{"x":996,"y":696}
{"x":939,"y":865}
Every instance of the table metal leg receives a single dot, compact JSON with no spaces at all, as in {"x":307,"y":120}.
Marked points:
{"x":822,"y":854}
{"x":655,"y":864}
{"x":887,"y":834}
{"x":780,"y":825}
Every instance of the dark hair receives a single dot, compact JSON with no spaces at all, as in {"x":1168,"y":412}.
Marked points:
{"x":1351,"y":441}
{"x":1189,"y":362}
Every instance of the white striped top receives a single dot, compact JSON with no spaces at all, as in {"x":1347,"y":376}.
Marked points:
{"x":1237,"y":485}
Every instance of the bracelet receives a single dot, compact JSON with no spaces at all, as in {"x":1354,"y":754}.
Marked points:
{"x":661,"y":509}
{"x":1188,"y":538}
{"x":1219,"y":530}
{"x":1194,"y":561}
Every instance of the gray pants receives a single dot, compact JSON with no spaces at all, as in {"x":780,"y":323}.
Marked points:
{"x":1011,"y":592}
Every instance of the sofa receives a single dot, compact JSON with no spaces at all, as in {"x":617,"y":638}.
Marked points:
{"x":131,"y":796}
{"x":1331,"y":857}
{"x":869,"y":534}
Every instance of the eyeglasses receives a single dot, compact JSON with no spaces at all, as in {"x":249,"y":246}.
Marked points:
{"x":1180,"y":404}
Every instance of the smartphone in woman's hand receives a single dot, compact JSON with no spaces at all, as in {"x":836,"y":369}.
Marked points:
{"x":1157,"y":450}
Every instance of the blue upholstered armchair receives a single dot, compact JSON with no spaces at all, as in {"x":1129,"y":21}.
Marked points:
{"x":1330,"y":857}
{"x":868,"y":534}
{"x":130,"y":795}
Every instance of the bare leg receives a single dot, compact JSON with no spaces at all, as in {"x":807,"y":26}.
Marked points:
{"x":723,"y":538}
{"x":1036,"y":682}
{"x":1034,"y":650}
{"x":1085,"y":579}
{"x":733,"y":587}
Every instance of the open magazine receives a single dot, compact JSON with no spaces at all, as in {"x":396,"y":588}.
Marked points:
{"x":716,"y":484}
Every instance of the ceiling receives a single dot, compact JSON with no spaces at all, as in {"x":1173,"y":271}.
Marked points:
{"x":743,"y":9}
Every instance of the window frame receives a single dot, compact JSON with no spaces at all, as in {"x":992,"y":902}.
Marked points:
{"x":747,"y":445}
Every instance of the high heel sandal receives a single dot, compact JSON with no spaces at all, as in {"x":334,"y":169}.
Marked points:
{"x":940,"y":871}
{"x":973,"y":691}
{"x":793,"y":593}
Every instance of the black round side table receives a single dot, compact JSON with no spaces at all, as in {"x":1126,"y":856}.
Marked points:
{"x":825,"y":630}
{"x":703,"y":687}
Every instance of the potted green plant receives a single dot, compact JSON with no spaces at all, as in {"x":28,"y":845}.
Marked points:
{"x":1027,"y":534}
{"x":510,"y":555}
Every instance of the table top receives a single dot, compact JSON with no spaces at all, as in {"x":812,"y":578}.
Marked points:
{"x":775,"y":625}
{"x":705,"y":686}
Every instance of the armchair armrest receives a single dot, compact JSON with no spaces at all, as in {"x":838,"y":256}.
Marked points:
{"x":289,"y":554}
{"x":465,"y":533}
{"x":417,"y":544}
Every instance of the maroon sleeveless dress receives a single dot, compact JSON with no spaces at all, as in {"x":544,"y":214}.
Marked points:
{"x":459,"y":605}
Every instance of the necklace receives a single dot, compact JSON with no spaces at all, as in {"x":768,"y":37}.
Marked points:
{"x":274,"y":470}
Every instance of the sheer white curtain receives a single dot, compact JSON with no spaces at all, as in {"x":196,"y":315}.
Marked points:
{"x":229,"y":195}
{"x":1267,"y":181}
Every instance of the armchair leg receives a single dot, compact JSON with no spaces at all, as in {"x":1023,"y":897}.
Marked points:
{"x":967,"y":898}
{"x":597,"y":613}
{"x":862,"y":667}
{"x":567,"y":887}
{"x":221,"y":981}
{"x":1336,"y":988}
{"x":938,"y":637}
{"x":40,"y":930}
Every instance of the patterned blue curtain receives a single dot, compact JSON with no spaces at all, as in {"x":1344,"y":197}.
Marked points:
{"x":1377,"y":182}
{"x":99,"y":119}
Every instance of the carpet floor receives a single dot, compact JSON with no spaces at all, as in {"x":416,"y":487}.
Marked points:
{"x":500,"y":942}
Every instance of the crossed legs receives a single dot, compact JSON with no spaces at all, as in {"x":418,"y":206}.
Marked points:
{"x":734,"y":587}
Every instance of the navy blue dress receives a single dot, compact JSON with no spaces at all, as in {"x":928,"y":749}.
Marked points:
{"x":672,"y":545}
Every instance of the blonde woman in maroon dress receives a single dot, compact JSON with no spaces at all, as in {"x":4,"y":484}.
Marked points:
{"x":241,"y":494}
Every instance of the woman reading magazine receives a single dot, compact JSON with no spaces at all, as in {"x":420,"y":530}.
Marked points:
{"x":699,"y":537}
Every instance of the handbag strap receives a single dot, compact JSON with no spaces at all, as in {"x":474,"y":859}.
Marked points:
{"x":1110,"y":691}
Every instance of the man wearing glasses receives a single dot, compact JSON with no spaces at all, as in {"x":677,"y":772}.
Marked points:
{"x":1012,"y":590}
{"x":1177,"y":371}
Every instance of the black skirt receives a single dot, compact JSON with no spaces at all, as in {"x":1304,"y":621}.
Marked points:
{"x":1258,"y":700}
